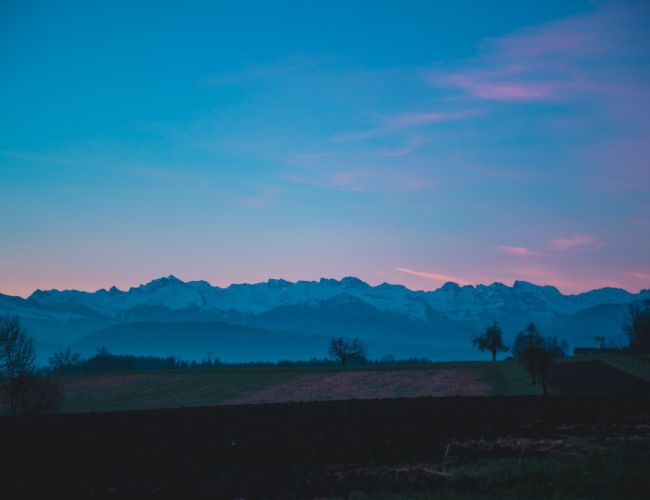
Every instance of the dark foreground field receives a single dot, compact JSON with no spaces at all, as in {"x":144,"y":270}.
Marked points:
{"x":594,"y":378}
{"x":456,"y":447}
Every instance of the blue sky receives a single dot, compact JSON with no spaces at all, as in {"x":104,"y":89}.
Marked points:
{"x":408,"y":142}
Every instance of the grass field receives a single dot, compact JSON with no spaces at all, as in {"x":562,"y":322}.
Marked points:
{"x":419,"y":448}
{"x":185,"y":388}
{"x":575,"y":468}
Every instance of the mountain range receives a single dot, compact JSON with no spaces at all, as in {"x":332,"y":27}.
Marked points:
{"x":279,"y":319}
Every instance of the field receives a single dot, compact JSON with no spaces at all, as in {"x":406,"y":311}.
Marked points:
{"x":455,"y":447}
{"x":187,"y":388}
{"x":419,"y":431}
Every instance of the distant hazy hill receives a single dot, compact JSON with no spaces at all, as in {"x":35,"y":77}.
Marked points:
{"x":191,"y":340}
{"x":234,"y":343}
{"x":445,"y":318}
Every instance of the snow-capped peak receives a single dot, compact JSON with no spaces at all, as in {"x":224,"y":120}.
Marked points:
{"x":462,"y":302}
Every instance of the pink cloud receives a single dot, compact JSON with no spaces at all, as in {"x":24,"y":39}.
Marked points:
{"x":603,"y":31}
{"x":344,"y":180}
{"x":396,"y":153}
{"x":577,"y":56}
{"x":474,"y":84}
{"x":433,"y":276}
{"x":404,"y":120}
{"x":518,"y":251}
{"x":577,"y":241}
{"x":644,"y":277}
{"x":394,"y":123}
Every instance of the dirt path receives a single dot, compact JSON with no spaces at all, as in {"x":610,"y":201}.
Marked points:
{"x":370,"y":385}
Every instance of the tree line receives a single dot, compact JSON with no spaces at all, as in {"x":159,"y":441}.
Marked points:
{"x":537,"y":352}
{"x":340,"y":350}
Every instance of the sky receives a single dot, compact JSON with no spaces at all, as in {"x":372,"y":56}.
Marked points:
{"x":405,"y":142}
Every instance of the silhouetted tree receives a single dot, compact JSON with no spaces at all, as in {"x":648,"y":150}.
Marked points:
{"x":65,"y":361}
{"x":346,"y":349}
{"x":102,"y":359}
{"x":537,"y":353}
{"x":20,"y":388}
{"x":491,"y":340}
{"x":637,"y":326}
{"x":17,"y":349}
{"x":17,"y":358}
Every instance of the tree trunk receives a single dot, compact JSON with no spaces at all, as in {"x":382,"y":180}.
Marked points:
{"x":494,"y":356}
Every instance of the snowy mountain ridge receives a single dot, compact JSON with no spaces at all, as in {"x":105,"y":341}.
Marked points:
{"x":440,"y":323}
{"x":461,"y":302}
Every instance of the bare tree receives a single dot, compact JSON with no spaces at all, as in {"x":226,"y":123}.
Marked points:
{"x":537,"y":353}
{"x":20,"y":388}
{"x":64,"y":361}
{"x":525,"y":343}
{"x":346,"y":349}
{"x":491,"y":340}
{"x":17,"y":349}
{"x":637,"y":326}
{"x":17,"y":359}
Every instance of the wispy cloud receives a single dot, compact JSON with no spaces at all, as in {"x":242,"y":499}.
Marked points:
{"x":262,"y":72}
{"x":394,"y":123}
{"x":404,"y":120}
{"x":478,"y":84}
{"x":433,"y":276}
{"x":577,"y":241}
{"x":365,"y":171}
{"x":406,"y":150}
{"x":559,"y":59}
{"x":519,"y":251}
{"x":343,"y":180}
{"x":644,"y":277}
